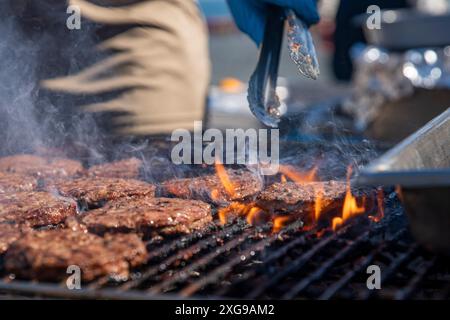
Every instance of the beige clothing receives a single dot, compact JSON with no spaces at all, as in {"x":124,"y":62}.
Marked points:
{"x":161,"y":63}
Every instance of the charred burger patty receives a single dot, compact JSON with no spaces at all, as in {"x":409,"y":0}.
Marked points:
{"x":35,"y":208}
{"x":244,"y":184}
{"x":41,"y":167}
{"x":46,"y":255}
{"x":126,"y":169}
{"x":94,"y":192}
{"x":149,"y":216}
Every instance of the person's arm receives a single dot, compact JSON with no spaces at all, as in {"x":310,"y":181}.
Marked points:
{"x":250,"y":15}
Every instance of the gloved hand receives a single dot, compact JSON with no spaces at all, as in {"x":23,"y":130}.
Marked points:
{"x":250,"y":15}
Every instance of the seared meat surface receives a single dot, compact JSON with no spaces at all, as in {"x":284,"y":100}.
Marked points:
{"x":41,"y":167}
{"x":291,"y":197}
{"x":10,"y":233}
{"x":35,"y":208}
{"x":13,"y":182}
{"x":93,"y":192}
{"x":210,"y":188}
{"x":126,"y":169}
{"x":149,"y":216}
{"x":46,"y":255}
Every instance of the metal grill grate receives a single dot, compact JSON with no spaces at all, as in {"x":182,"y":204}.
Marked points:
{"x":240,"y":261}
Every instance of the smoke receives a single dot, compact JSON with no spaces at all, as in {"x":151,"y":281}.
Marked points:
{"x":37,"y":45}
{"x":18,"y":88}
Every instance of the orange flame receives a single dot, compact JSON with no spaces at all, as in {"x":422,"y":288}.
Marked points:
{"x":380,"y":205}
{"x":350,"y":208}
{"x":283,"y":178}
{"x":399,"y":191}
{"x":215,"y":194}
{"x":299,"y":177}
{"x":252,"y":214}
{"x":279,"y":223}
{"x":235,"y":208}
{"x":250,"y":211}
{"x":225,"y":179}
{"x":336,"y":223}
{"x":319,"y":203}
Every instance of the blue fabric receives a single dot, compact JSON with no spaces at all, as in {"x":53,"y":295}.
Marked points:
{"x":250,"y":15}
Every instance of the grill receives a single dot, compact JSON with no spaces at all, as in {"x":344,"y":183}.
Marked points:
{"x":242,"y":261}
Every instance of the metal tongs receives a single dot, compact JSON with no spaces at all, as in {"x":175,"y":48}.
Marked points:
{"x":262,"y":97}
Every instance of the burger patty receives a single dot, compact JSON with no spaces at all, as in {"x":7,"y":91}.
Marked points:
{"x":126,"y":169}
{"x":46,"y":255}
{"x":35,"y":208}
{"x":210,"y":188}
{"x":13,"y":182}
{"x":41,"y":167}
{"x":291,"y":197}
{"x":149,"y":216}
{"x":10,"y":233}
{"x":93,"y":192}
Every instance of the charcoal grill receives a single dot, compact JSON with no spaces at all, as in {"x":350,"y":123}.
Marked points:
{"x":241,"y":261}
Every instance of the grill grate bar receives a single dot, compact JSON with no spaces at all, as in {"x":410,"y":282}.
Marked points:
{"x":272,"y":257}
{"x":294,"y":291}
{"x":209,"y":243}
{"x":407,"y":291}
{"x":391,"y":270}
{"x":294,"y":265}
{"x":181,"y":243}
{"x":219,"y":272}
{"x":344,"y":280}
{"x":202,"y":262}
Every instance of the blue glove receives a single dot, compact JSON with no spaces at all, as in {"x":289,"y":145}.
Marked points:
{"x":250,"y":15}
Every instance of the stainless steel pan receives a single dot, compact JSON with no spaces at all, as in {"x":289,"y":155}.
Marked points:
{"x":405,"y":29}
{"x":420,"y":165}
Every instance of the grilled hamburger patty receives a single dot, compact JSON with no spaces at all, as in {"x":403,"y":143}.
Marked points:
{"x":149,"y":216}
{"x":291,"y":197}
{"x":245,"y":184}
{"x":13,"y":182}
{"x":10,"y":233}
{"x":126,"y":169}
{"x":41,"y":167}
{"x":46,"y":255}
{"x":92,"y":192}
{"x":35,"y":208}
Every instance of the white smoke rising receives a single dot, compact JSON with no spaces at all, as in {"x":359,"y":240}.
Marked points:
{"x":35,"y":45}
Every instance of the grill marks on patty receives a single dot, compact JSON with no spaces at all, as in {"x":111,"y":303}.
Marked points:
{"x":93,"y":192}
{"x":149,"y":216}
{"x":41,"y":167}
{"x":46,"y":255}
{"x":35,"y":209}
{"x":210,"y":188}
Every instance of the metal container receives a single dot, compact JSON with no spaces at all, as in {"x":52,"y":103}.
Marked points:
{"x":420,"y":165}
{"x":408,"y":28}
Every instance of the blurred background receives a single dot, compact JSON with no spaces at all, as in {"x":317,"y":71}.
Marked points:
{"x":234,"y":55}
{"x":383,"y":83}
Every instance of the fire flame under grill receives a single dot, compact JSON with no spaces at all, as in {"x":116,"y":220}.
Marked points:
{"x":251,"y":211}
{"x":278,"y":257}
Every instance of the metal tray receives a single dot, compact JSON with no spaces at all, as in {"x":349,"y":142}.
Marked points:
{"x":405,"y":29}
{"x":420,"y":165}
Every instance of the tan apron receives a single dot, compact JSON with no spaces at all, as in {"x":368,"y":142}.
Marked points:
{"x":161,"y":64}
